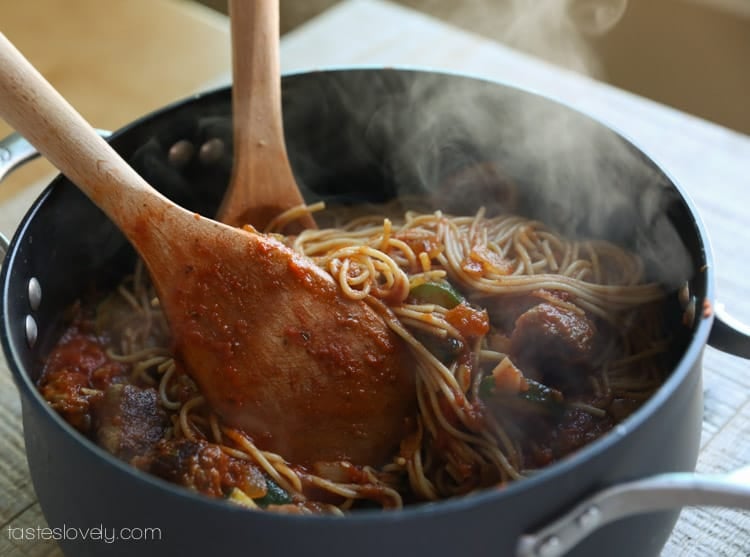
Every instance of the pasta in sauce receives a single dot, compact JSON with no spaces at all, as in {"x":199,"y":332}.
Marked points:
{"x":528,"y":346}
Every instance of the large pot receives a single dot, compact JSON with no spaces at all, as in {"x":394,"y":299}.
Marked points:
{"x":370,"y":135}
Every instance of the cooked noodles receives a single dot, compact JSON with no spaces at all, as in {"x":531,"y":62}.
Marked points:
{"x":527,"y":346}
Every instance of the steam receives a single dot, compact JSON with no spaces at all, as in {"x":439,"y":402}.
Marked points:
{"x":558,"y":30}
{"x":361,"y":136}
{"x":603,"y":186}
{"x":468,"y":144}
{"x":555,"y":30}
{"x":596,"y":17}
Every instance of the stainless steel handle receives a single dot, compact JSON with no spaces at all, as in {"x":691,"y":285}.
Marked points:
{"x":4,"y":245}
{"x":15,"y":151}
{"x":657,"y":493}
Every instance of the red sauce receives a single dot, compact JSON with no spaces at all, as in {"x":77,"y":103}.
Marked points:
{"x":76,"y":373}
{"x":420,"y":243}
{"x":482,"y":261}
{"x":472,"y":323}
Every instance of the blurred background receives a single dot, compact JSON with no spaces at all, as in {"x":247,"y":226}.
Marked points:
{"x":693,"y":55}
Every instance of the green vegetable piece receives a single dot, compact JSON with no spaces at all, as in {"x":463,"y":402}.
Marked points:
{"x":487,"y":387}
{"x":274,"y":496}
{"x":540,"y":393}
{"x":438,"y":293}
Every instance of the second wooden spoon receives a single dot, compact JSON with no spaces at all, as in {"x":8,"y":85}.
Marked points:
{"x":276,"y":348}
{"x":262,"y":184}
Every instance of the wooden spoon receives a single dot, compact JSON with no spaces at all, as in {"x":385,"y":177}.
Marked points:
{"x":262,"y":184}
{"x":275,"y":347}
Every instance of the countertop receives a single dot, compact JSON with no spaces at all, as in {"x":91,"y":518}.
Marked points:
{"x":117,"y":60}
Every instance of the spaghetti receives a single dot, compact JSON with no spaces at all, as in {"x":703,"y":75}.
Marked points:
{"x":528,"y":346}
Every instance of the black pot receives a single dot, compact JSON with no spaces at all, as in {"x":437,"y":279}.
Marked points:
{"x":357,"y":136}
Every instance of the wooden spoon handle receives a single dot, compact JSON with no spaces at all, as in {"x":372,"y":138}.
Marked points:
{"x":256,"y":71}
{"x":262,"y":182}
{"x":37,"y":111}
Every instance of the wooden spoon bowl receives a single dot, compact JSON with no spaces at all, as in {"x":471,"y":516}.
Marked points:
{"x":275,"y":347}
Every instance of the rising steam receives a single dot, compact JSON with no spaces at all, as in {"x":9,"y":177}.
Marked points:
{"x":572,"y":172}
{"x":557,"y":30}
{"x":361,"y":136}
{"x":554,"y":30}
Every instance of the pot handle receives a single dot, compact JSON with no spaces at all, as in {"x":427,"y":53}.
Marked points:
{"x":729,"y":334}
{"x":15,"y":151}
{"x":657,"y":493}
{"x":4,"y":245}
